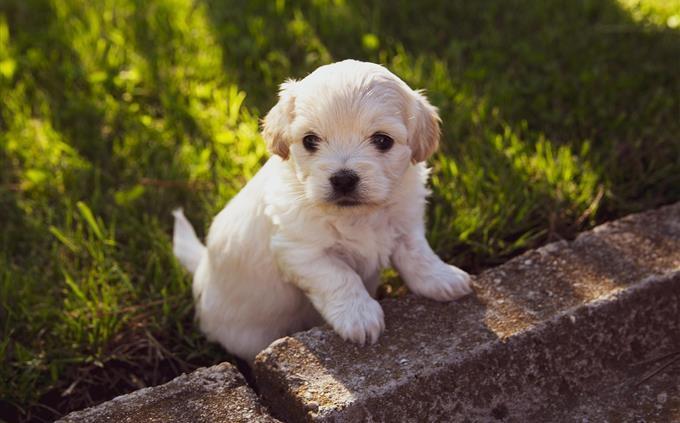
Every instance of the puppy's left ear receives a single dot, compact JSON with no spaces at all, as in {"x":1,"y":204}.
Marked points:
{"x":424,"y":131}
{"x":276,"y":125}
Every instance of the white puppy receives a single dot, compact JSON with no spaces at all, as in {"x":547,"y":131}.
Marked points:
{"x":342,"y":197}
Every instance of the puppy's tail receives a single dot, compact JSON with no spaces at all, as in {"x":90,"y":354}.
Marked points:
{"x":185,"y":244}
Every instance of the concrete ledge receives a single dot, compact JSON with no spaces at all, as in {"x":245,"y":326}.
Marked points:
{"x":545,"y":332}
{"x":213,"y":394}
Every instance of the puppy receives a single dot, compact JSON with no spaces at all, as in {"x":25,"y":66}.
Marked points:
{"x":342,"y":197}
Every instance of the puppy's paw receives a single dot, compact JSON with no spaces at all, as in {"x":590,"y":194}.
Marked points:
{"x":360,"y":321}
{"x":443,"y":283}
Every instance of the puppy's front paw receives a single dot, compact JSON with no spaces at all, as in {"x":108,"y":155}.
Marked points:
{"x":359,"y":320}
{"x":443,"y":283}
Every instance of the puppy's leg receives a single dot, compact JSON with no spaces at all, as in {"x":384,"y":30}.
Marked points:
{"x":336,"y":291}
{"x":425,"y":273}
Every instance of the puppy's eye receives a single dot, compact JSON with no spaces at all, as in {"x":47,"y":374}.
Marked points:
{"x":311,"y":142}
{"x":382,"y":142}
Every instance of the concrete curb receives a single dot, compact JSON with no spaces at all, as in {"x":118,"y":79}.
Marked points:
{"x":543,"y":332}
{"x":212,"y":394}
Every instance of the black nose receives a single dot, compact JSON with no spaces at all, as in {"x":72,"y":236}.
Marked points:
{"x":344,"y":181}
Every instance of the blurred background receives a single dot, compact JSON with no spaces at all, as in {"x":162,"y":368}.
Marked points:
{"x":557,"y":115}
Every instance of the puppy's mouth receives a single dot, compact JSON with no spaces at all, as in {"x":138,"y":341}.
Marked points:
{"x":345,"y":201}
{"x":348,"y":203}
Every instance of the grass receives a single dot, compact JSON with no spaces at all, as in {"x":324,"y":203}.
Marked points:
{"x":557,"y":115}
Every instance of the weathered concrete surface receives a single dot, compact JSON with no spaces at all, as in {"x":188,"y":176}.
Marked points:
{"x":542,"y":334}
{"x":213,"y":394}
{"x":631,"y":396}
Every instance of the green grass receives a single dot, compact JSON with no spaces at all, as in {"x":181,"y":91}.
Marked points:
{"x":557,"y":115}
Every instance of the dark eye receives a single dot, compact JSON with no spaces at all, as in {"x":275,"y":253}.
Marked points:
{"x":382,"y":141}
{"x":311,"y":142}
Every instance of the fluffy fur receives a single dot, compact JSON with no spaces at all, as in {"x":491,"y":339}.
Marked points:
{"x":286,"y":253}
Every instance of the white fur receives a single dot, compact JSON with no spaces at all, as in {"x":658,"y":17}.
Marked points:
{"x":282,"y":257}
{"x":186,"y":245}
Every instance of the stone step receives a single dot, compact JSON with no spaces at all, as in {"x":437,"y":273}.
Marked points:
{"x":212,"y":394}
{"x":543,"y":334}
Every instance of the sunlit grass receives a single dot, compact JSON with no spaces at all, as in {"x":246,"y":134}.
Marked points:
{"x":659,"y":12}
{"x":109,"y":120}
{"x":556,"y":115}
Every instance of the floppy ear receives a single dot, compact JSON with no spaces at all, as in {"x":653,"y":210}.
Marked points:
{"x":424,"y":131}
{"x":275,"y":126}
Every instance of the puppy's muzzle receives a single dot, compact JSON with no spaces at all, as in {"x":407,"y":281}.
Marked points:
{"x":344,"y":182}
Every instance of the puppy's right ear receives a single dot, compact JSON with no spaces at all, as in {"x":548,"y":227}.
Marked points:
{"x":276,"y":125}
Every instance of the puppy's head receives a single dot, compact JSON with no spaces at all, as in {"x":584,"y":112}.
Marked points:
{"x":351,"y":130}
